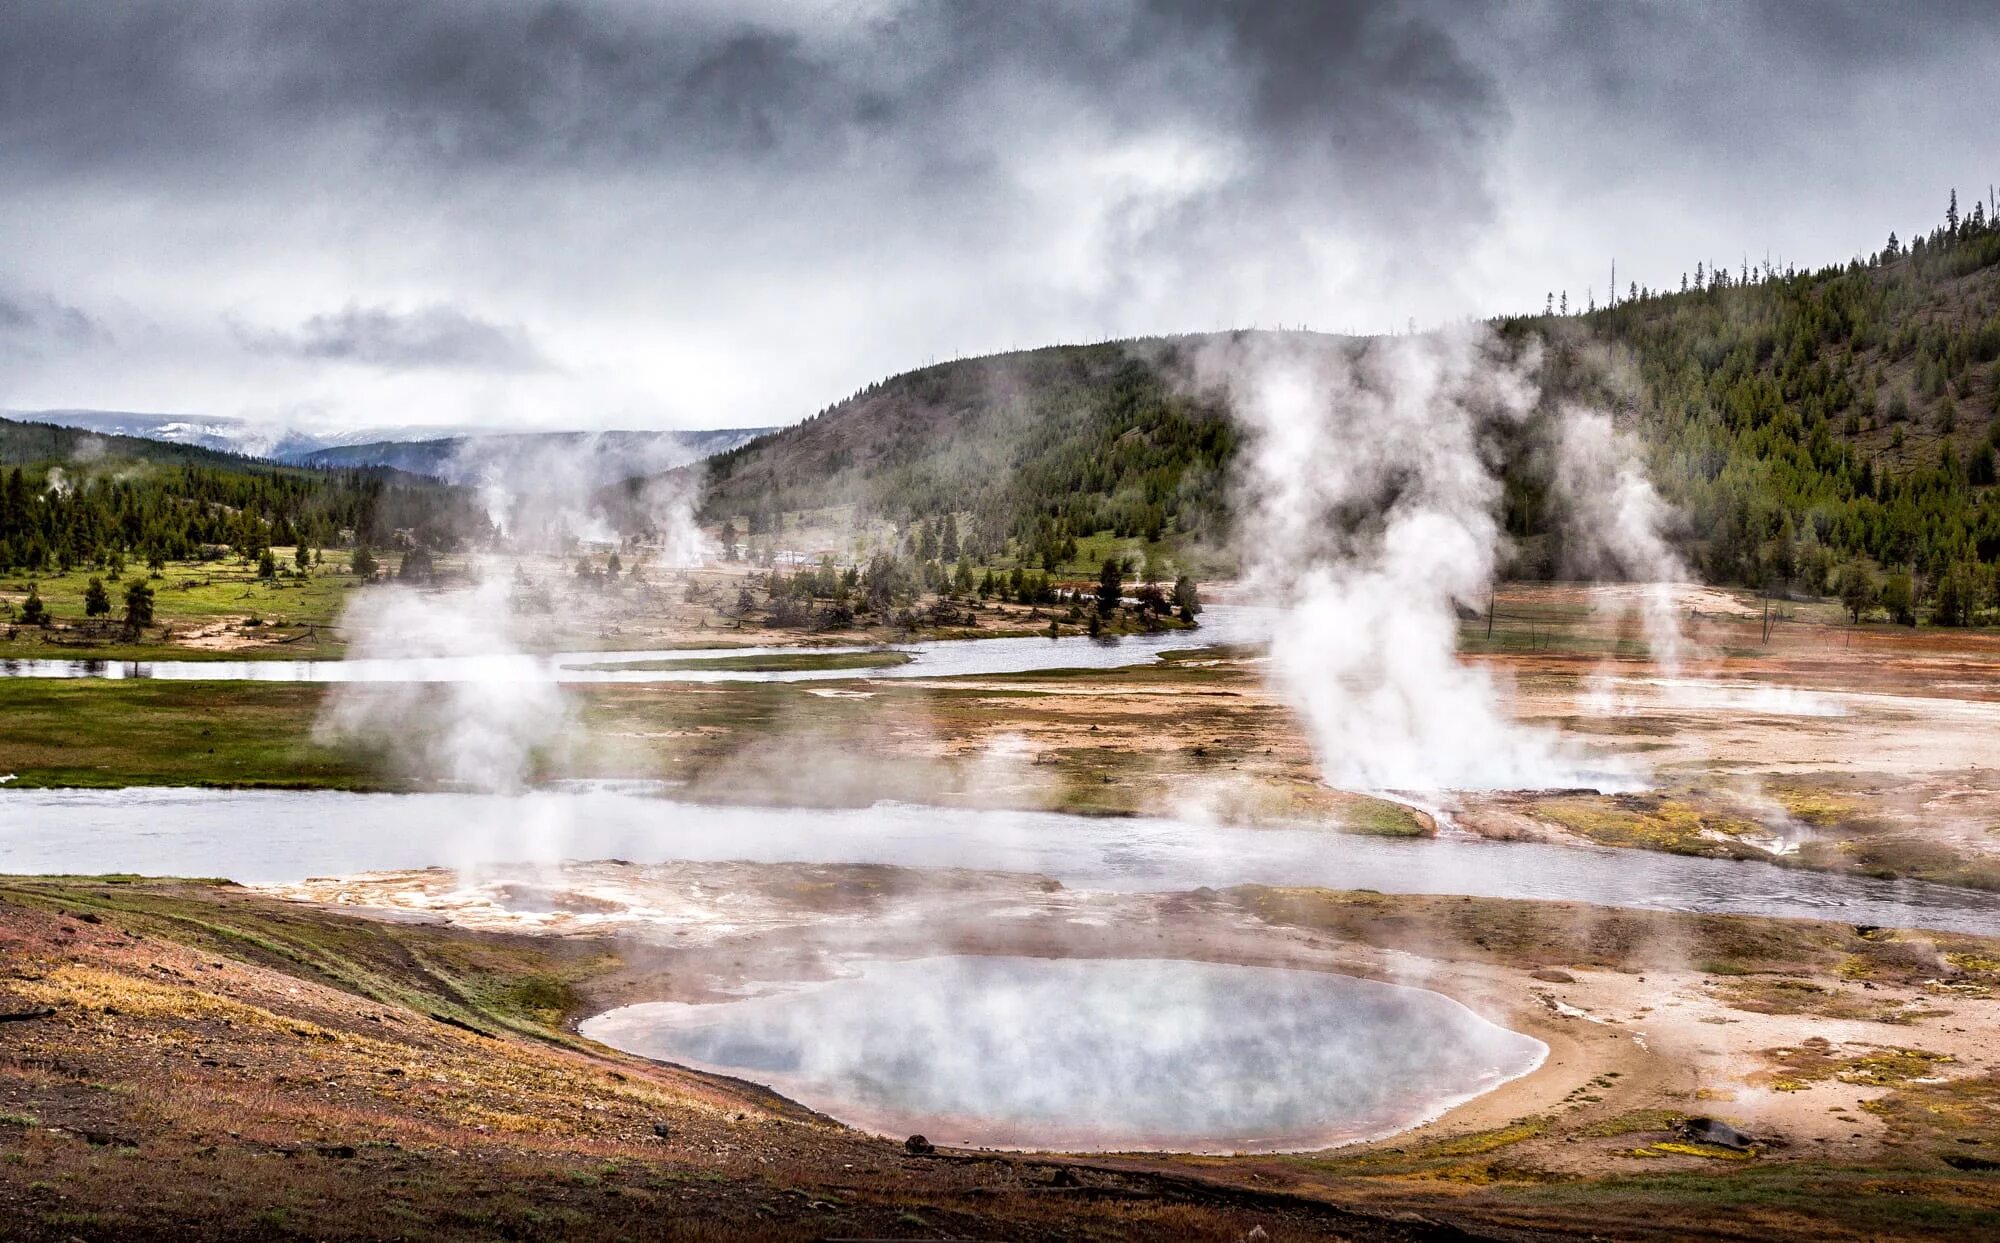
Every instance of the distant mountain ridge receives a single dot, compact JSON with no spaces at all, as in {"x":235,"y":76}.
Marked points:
{"x":599,"y":457}
{"x":452,"y":454}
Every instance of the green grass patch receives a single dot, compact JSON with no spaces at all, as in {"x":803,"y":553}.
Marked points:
{"x":187,"y":596}
{"x":239,"y":734}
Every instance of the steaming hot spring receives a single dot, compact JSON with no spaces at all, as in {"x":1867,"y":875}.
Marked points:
{"x":1059,"y":1020}
{"x":1095,"y":1054}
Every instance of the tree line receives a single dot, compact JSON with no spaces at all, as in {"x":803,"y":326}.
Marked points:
{"x":71,"y":499}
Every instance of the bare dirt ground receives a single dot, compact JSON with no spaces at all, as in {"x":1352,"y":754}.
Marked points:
{"x":211,"y":1063}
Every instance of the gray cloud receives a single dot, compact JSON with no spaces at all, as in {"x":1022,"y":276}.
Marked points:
{"x":433,"y":336}
{"x":41,"y":316}
{"x":732,"y":210}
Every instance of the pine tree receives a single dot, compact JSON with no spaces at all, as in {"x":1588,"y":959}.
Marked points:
{"x":33,"y":611}
{"x":138,"y":606}
{"x":1187,"y":598}
{"x":96,"y":600}
{"x":1110,"y":585}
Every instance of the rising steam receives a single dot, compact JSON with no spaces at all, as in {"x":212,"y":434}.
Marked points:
{"x":485,"y":718}
{"x":1368,"y":510}
{"x":1616,"y":518}
{"x":488,"y":715}
{"x":597,"y":488}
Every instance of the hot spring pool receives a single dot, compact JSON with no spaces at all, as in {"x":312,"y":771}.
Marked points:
{"x":1090,"y":1054}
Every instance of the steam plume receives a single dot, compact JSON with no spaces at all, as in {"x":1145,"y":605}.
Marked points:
{"x":481,"y":730}
{"x":1368,"y":500}
{"x":1617,"y":518}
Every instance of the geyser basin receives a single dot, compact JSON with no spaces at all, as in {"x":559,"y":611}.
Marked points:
{"x":1096,"y":1054}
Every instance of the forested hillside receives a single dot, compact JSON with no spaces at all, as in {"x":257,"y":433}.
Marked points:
{"x":1038,"y":447}
{"x":1833,"y":429}
{"x":1828,"y":430}
{"x":71,"y":497}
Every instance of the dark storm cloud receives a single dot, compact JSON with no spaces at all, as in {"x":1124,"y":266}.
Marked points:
{"x":95,"y":86}
{"x":435,"y":336}
{"x":672,"y":194}
{"x":100,"y":86}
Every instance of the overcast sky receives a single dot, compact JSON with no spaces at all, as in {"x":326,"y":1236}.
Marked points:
{"x":343,"y":212}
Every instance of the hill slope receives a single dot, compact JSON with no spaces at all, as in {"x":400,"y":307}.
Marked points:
{"x":1801,"y":422}
{"x":1039,"y":447}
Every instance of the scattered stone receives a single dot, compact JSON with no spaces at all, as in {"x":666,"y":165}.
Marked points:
{"x":918,"y":1146}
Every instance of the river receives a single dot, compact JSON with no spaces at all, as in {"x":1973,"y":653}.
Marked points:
{"x":278,"y":836}
{"x":942,"y":658}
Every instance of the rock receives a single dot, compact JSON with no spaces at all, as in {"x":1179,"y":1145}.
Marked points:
{"x":662,"y":1130}
{"x":1966,"y":1161}
{"x":1715,"y":1131}
{"x":918,"y":1146}
{"x":342,"y":1152}
{"x":24,"y":1016}
{"x":1552,"y":975}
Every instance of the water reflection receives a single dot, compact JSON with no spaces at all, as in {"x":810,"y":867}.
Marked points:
{"x":1096,"y":1054}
